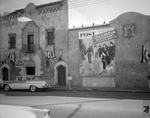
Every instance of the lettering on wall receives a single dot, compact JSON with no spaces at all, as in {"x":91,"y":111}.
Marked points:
{"x":105,"y":36}
{"x":86,"y":34}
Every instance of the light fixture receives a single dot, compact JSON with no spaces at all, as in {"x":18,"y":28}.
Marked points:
{"x":24,"y":19}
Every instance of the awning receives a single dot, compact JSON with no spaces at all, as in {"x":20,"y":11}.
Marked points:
{"x":24,"y":63}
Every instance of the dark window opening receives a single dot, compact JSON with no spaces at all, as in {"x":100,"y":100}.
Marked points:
{"x":30,"y":45}
{"x":30,"y":70}
{"x":50,"y":38}
{"x":12,"y":42}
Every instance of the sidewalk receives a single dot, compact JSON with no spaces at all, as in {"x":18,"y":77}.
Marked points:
{"x":100,"y":89}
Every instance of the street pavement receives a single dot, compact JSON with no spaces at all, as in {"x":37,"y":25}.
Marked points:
{"x":78,"y":107}
{"x":83,"y":103}
{"x":94,"y":93}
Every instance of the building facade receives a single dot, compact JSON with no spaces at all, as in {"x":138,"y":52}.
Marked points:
{"x":111,"y":55}
{"x":107,"y":55}
{"x":38,"y":47}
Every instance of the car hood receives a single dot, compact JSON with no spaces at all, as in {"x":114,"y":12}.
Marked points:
{"x":9,"y":111}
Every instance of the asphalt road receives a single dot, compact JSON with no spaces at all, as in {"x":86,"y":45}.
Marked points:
{"x":82,"y":107}
{"x":82,"y":104}
{"x":73,"y":93}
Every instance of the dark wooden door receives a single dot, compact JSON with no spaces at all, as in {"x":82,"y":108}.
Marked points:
{"x":62,"y":76}
{"x":5,"y":74}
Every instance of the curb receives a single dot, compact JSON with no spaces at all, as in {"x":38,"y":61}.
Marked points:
{"x":100,"y":90}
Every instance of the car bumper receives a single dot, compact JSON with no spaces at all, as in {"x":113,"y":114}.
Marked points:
{"x":46,"y":86}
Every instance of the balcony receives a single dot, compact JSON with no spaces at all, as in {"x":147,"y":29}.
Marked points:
{"x":29,"y":48}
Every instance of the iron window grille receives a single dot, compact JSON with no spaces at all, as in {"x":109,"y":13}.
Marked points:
{"x":12,"y":41}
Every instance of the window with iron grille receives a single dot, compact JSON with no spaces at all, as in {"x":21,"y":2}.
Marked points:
{"x":50,"y":38}
{"x":30,"y":43}
{"x":30,"y":70}
{"x":12,"y":41}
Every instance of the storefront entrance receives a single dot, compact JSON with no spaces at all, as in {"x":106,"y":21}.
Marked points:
{"x":61,"y":76}
{"x":5,"y":74}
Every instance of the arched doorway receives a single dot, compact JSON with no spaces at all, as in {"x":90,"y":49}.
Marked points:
{"x":61,"y":76}
{"x":61,"y":73}
{"x":5,"y":74}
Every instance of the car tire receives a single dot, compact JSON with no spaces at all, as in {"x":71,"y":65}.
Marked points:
{"x":33,"y":88}
{"x":6,"y":87}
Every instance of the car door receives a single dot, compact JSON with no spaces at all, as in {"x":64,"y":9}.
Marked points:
{"x":25,"y":84}
{"x":17,"y":83}
{"x":31,"y":81}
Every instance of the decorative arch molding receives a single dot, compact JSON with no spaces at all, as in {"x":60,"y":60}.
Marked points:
{"x":31,"y":28}
{"x":1,"y":69}
{"x":60,"y":63}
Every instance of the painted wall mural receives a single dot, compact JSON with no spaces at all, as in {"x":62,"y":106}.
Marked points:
{"x":97,"y":49}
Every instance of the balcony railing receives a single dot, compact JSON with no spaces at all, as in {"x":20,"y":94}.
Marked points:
{"x":28,"y":48}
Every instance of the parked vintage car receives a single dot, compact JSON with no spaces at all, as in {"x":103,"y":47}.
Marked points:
{"x":26,"y":82}
{"x":10,"y":111}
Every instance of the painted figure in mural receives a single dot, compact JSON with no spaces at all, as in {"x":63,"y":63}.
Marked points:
{"x":96,"y":52}
{"x":105,"y":59}
{"x":82,"y":47}
{"x":103,"y":63}
{"x":105,"y":50}
{"x":100,"y":55}
{"x":100,"y":50}
{"x":111,"y":52}
{"x":90,"y":53}
{"x":82,"y":50}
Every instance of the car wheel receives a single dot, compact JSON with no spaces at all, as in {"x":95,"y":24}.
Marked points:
{"x":33,"y":88}
{"x":6,"y":87}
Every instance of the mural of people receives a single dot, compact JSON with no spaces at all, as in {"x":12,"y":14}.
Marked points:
{"x":82,"y":50}
{"x":103,"y":63}
{"x":105,"y":58}
{"x":98,"y":53}
{"x":105,"y":51}
{"x":90,"y":53}
{"x":111,"y":53}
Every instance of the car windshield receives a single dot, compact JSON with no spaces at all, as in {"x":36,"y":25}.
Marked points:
{"x":19,"y":78}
